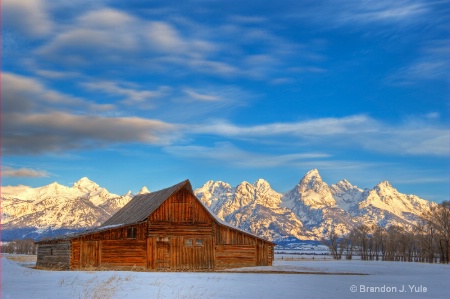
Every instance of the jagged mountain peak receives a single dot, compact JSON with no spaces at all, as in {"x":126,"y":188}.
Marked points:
{"x":346,"y":195}
{"x":384,"y":185}
{"x":85,"y":184}
{"x":144,"y":190}
{"x":213,"y":187}
{"x":344,"y":183}
{"x":385,"y":189}
{"x":311,"y":178}
{"x":311,"y":192}
{"x":345,"y":186}
{"x":263,"y":186}
{"x":313,"y":173}
{"x":54,"y":185}
{"x":261,"y":182}
{"x":215,"y":184}
{"x":312,"y":181}
{"x":83,"y":181}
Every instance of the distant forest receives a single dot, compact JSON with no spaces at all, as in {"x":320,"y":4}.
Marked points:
{"x":26,"y":246}
{"x":427,"y":241}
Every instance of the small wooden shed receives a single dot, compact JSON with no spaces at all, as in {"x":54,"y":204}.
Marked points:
{"x":166,"y":230}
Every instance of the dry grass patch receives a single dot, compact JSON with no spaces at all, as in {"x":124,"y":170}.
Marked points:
{"x":21,"y":258}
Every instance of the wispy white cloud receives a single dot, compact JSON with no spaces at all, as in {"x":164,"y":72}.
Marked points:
{"x":408,"y":138}
{"x":433,"y":63}
{"x":59,"y":132}
{"x":382,"y":11}
{"x":131,"y":93}
{"x":194,"y":95}
{"x":113,"y":37}
{"x":37,"y":120}
{"x":317,"y":127}
{"x":26,"y":17}
{"x":23,"y":172}
{"x":51,"y":74}
{"x":227,"y":152}
{"x":25,"y":94}
{"x":105,"y":18}
{"x":368,"y":12}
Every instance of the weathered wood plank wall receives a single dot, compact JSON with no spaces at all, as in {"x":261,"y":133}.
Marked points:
{"x":182,"y":207}
{"x":111,"y":248}
{"x":54,"y":255}
{"x":238,"y":249}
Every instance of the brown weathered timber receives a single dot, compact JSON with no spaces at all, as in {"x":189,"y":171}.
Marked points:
{"x":54,"y":255}
{"x":167,"y":230}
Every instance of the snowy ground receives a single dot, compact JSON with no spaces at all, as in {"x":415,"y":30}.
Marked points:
{"x":316,"y":278}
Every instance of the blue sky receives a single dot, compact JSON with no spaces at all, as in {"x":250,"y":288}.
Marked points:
{"x":133,"y":93}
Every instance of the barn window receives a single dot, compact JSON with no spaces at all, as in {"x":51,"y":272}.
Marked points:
{"x":131,"y":233}
{"x":189,"y":242}
{"x":199,"y":242}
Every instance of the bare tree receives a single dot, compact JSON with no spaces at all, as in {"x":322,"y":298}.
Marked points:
{"x":437,"y":224}
{"x":333,"y":241}
{"x":361,"y":241}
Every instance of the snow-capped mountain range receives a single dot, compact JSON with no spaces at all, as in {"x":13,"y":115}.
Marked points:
{"x":56,"y":208}
{"x":304,"y":213}
{"x":311,"y":208}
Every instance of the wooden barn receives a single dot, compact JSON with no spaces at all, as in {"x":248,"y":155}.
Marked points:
{"x":167,"y":230}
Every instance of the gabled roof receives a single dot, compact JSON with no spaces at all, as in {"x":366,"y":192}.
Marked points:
{"x":141,"y":206}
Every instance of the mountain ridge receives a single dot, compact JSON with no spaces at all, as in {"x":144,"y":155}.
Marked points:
{"x":306,"y":212}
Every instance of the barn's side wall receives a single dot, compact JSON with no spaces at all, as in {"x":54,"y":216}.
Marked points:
{"x":235,"y":249}
{"x":53,"y":255}
{"x":110,"y":249}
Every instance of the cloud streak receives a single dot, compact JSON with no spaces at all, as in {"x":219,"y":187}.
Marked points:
{"x":37,"y":120}
{"x":23,"y":172}
{"x":382,"y":11}
{"x":432,"y":64}
{"x":131,"y":95}
{"x":114,"y":37}
{"x":366,"y":13}
{"x":408,"y":138}
{"x":227,"y":152}
{"x":58,"y":132}
{"x":22,"y":94}
{"x":194,"y":95}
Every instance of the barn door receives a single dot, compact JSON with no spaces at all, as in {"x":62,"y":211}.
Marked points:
{"x":162,"y":261}
{"x":89,"y":254}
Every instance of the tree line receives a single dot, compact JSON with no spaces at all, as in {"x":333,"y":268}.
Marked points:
{"x":426,"y":241}
{"x":25,"y":246}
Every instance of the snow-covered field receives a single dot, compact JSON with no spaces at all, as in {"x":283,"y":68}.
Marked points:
{"x":314,"y":279}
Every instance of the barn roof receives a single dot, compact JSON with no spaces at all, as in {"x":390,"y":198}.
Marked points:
{"x":142,"y":205}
